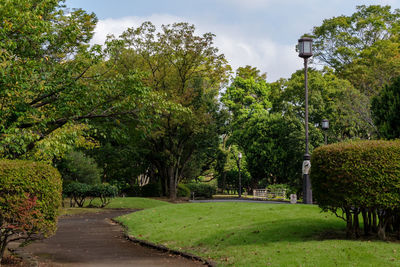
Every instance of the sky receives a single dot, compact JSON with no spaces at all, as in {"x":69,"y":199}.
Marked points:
{"x":260,"y":33}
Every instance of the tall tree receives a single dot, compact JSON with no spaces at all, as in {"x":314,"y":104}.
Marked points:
{"x":189,"y":72}
{"x":47,"y":78}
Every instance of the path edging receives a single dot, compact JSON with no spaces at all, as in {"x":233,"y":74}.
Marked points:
{"x":165,"y":249}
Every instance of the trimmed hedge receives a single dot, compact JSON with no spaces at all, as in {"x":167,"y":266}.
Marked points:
{"x":202,"y":190}
{"x":78,"y":192}
{"x":356,"y":178}
{"x":30,"y":195}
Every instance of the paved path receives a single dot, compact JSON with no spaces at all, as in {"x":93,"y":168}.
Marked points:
{"x":94,"y":240}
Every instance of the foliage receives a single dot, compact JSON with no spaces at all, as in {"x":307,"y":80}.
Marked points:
{"x":202,"y":190}
{"x":151,"y":190}
{"x":288,"y":189}
{"x":187,"y":71}
{"x":359,"y":177}
{"x":330,"y":97}
{"x":30,"y":195}
{"x":183,"y":191}
{"x":104,"y":192}
{"x":77,"y":192}
{"x":362,"y":48}
{"x":339,"y":40}
{"x":255,"y":234}
{"x":52,"y":80}
{"x":80,"y":168}
{"x":385,"y":110}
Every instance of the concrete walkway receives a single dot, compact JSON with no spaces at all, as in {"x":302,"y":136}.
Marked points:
{"x":94,"y":240}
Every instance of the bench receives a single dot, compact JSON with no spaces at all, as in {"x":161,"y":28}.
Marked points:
{"x":269,"y":194}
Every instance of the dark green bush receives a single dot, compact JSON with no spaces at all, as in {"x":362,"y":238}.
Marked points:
{"x":151,"y":190}
{"x":356,"y":178}
{"x":77,"y":167}
{"x":30,"y":195}
{"x":77,"y":192}
{"x":104,"y":192}
{"x":202,"y":190}
{"x":183,"y":191}
{"x":132,"y":191}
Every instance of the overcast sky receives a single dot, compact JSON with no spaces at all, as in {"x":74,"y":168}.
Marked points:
{"x":260,"y":33}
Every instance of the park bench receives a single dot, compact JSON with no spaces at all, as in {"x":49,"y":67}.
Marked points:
{"x":269,"y":194}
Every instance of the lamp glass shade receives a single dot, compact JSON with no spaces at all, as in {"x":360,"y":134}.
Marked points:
{"x":325,"y":124}
{"x":305,"y":47}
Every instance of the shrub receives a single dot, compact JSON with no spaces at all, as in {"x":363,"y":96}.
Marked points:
{"x":359,"y":178}
{"x":80,"y":168}
{"x":30,"y":195}
{"x":202,"y":190}
{"x":183,"y":191}
{"x":132,"y":191}
{"x":77,"y":192}
{"x":151,"y":190}
{"x":288,"y":189}
{"x":104,"y":192}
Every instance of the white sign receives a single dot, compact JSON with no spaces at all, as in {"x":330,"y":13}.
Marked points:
{"x":306,"y":166}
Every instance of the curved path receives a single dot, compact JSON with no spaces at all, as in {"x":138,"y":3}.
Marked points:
{"x":94,"y":240}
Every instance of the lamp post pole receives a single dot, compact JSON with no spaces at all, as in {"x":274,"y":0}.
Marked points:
{"x":305,"y":51}
{"x":240,"y":178}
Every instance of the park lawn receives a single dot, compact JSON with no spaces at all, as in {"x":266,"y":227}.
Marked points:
{"x":256,"y":234}
{"x":116,"y":203}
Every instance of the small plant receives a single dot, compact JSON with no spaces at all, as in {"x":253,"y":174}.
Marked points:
{"x":104,"y":192}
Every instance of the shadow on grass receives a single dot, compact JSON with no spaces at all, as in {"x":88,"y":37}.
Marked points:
{"x":293,"y":230}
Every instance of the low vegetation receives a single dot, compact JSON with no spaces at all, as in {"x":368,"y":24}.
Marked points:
{"x":360,"y":178}
{"x":253,"y":234}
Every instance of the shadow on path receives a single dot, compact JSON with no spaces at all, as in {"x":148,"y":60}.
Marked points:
{"x":94,"y":240}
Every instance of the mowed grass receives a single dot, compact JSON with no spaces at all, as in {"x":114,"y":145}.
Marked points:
{"x":256,"y":234}
{"x":116,"y":203}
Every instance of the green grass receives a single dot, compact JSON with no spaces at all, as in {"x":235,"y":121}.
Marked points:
{"x":255,"y":234}
{"x":134,"y":203}
{"x":116,"y":203}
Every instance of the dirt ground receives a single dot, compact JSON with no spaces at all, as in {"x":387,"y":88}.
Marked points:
{"x":94,"y":240}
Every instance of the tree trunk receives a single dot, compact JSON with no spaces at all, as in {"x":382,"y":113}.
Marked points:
{"x":172,"y":183}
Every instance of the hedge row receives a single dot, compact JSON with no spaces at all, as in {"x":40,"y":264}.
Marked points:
{"x":30,"y":195}
{"x":359,"y":178}
{"x":78,"y":192}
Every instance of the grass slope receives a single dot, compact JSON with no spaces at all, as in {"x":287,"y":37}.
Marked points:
{"x":255,"y":234}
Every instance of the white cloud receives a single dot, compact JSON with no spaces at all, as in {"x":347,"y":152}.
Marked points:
{"x":238,"y":45}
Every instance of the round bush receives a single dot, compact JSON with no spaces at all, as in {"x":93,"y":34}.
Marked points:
{"x":358,"y":177}
{"x":30,"y":195}
{"x":183,"y":191}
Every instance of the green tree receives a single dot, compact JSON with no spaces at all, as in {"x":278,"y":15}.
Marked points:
{"x":385,"y":110}
{"x":330,"y":98}
{"x":51,"y":79}
{"x":187,"y":71}
{"x":362,"y":48}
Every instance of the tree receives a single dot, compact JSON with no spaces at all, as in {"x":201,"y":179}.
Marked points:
{"x":385,"y":110}
{"x":330,"y":98}
{"x":187,"y":71}
{"x":362,"y":48}
{"x":51,"y":79}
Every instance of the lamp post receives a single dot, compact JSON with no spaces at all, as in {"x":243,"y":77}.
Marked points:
{"x":325,"y":127}
{"x":240,"y":178}
{"x":305,"y":51}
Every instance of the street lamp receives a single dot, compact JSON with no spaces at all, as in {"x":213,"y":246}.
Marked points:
{"x":240,"y":179}
{"x":305,"y":51}
{"x":325,"y":127}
